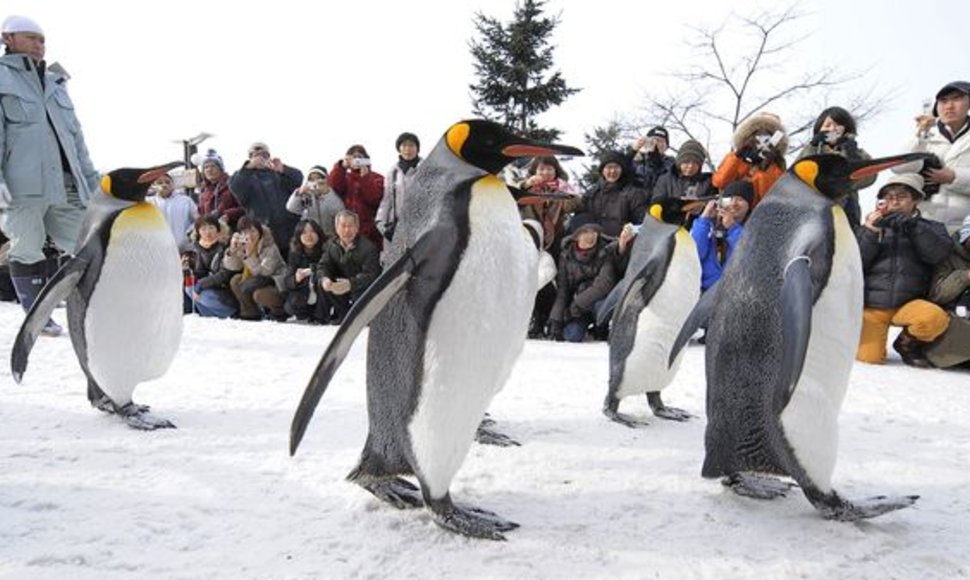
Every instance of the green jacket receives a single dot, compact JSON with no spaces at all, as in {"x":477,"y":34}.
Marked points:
{"x":33,"y":120}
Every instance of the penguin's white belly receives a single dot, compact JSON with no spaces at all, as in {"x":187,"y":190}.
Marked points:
{"x":133,"y":323}
{"x":476,"y":333}
{"x":645,"y":370}
{"x":810,"y":421}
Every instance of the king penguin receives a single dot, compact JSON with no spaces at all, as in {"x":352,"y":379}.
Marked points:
{"x":784,"y":324}
{"x":650,"y":304}
{"x":448,"y":319}
{"x":124,"y":298}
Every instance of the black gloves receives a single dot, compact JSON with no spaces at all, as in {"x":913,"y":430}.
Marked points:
{"x":555,"y":330}
{"x":898,"y":222}
{"x":749,"y":155}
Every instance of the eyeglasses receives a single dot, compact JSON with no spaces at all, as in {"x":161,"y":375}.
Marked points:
{"x":897,"y":197}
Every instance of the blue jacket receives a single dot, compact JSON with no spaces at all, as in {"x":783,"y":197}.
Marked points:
{"x":703,"y":233}
{"x":33,"y":120}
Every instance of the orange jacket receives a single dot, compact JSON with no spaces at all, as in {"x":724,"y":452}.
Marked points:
{"x":733,"y":168}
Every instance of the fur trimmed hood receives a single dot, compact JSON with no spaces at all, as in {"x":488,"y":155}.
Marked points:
{"x":757,"y":123}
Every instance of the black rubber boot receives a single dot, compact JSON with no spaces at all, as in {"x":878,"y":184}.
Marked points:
{"x":911,"y":350}
{"x":28,"y":280}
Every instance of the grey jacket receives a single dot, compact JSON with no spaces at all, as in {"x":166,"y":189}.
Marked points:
{"x":29,"y":142}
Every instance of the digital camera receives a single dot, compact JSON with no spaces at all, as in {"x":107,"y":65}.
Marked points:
{"x":360,"y":162}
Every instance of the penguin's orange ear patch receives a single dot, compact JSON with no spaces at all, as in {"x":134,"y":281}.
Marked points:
{"x":106,"y":184}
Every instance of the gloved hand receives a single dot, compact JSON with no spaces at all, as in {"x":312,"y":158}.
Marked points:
{"x":5,"y":197}
{"x":898,"y":222}
{"x":819,"y":138}
{"x":749,"y":155}
{"x":555,"y":330}
{"x":849,"y":146}
{"x":575,"y":311}
{"x":340,"y":286}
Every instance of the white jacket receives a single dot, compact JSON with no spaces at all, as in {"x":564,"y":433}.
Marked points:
{"x":952,"y":203}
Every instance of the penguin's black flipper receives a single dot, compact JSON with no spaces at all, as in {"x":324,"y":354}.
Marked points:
{"x":370,"y":304}
{"x":796,"y":304}
{"x":643,"y":283}
{"x":56,"y":290}
{"x":697,"y":317}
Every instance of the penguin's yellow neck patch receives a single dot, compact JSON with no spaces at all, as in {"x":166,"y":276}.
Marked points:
{"x":657,"y":211}
{"x":457,"y":136}
{"x":141,"y":216}
{"x":807,"y":171}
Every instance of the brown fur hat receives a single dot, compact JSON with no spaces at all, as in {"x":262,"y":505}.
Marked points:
{"x":762,"y":122}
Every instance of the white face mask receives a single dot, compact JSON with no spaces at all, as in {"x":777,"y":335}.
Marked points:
{"x":765,"y":143}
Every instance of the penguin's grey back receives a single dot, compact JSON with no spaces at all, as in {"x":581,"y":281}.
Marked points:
{"x":744,"y":343}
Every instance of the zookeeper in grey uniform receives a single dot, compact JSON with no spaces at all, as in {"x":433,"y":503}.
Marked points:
{"x":46,"y":177}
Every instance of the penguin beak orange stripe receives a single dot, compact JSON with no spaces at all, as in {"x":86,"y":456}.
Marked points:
{"x":873,"y":169}
{"x":153,"y":174}
{"x":528,"y":150}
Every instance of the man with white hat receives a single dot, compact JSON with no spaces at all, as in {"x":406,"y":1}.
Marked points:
{"x":945,"y":131}
{"x":899,"y":251}
{"x":46,"y":176}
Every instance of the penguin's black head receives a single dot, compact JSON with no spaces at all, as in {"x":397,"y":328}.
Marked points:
{"x":132,"y":184}
{"x":490,"y":146}
{"x":834,"y":176}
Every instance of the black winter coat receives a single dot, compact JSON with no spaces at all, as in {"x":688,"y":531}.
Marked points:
{"x":263,"y":193}
{"x":650,"y":168}
{"x":613,"y":204}
{"x":673,"y":184}
{"x":360,"y":264}
{"x":583,"y":279}
{"x":898,"y":264}
{"x":301,"y":259}
{"x":207,"y":267}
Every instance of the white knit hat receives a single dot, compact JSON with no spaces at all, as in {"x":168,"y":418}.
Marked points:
{"x":20,"y":24}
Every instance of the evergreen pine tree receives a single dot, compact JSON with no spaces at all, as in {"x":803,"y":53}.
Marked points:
{"x":511,"y":61}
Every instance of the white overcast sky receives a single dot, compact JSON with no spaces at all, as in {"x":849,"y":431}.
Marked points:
{"x":310,"y":79}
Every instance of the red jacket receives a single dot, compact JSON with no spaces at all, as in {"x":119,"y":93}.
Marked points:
{"x":216,"y":199}
{"x":733,"y":168}
{"x":361,"y":195}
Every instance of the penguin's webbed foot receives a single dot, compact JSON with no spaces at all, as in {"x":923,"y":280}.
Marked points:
{"x":663,"y":411}
{"x":104,"y":404}
{"x":757,"y":485}
{"x":138,"y":417}
{"x":849,"y":511}
{"x":398,"y":492}
{"x":672,"y":414}
{"x":470,"y":521}
{"x":487,"y":436}
{"x":625,"y":420}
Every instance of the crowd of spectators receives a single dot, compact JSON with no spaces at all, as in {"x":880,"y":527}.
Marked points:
{"x":265,"y":243}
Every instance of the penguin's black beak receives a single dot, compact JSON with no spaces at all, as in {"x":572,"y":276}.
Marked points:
{"x":834,"y":176}
{"x":863,"y":168}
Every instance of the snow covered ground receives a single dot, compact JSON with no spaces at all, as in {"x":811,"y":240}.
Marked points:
{"x":84,"y":497}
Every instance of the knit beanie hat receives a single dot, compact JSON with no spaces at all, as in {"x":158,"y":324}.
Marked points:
{"x":212,"y":157}
{"x":320,"y":169}
{"x":740,"y":188}
{"x":613,"y":157}
{"x":406,"y":137}
{"x":691,"y":151}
